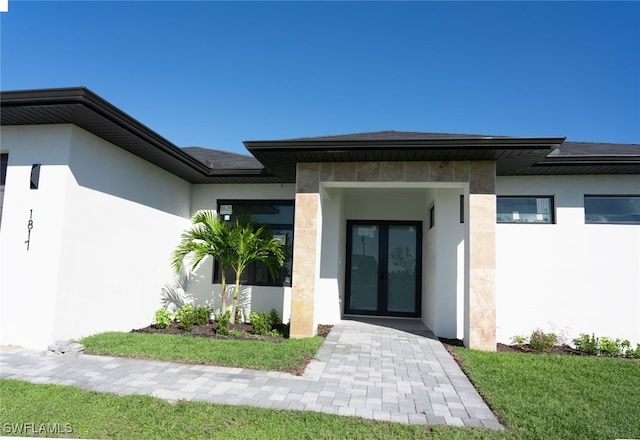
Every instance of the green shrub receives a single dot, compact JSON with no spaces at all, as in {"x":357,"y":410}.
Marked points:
{"x":201,"y":315}
{"x":519,"y":340}
{"x":275,"y":318}
{"x":609,"y":347}
{"x":586,"y":344}
{"x":605,"y":346}
{"x":223,"y":323}
{"x":261,"y":323}
{"x":162,"y":318}
{"x":235,"y":333}
{"x":629,"y":352}
{"x":285,"y":329}
{"x":186,"y":317}
{"x":541,"y":341}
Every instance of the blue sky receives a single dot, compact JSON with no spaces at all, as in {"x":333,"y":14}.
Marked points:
{"x":213,"y":74}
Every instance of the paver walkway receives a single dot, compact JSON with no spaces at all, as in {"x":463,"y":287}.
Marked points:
{"x":364,"y":369}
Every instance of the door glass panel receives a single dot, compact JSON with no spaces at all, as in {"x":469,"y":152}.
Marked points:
{"x":364,"y":267}
{"x":401,"y":268}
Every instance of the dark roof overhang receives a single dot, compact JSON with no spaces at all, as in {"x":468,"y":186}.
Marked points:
{"x":82,"y":107}
{"x":589,"y":158}
{"x":276,"y":160}
{"x":586,"y":165}
{"x":510,"y":153}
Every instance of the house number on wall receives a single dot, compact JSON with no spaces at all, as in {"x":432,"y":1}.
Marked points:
{"x":29,"y":228}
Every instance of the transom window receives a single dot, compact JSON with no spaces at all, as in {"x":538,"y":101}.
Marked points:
{"x":525,"y":209}
{"x":278,"y":216}
{"x":620,"y":209}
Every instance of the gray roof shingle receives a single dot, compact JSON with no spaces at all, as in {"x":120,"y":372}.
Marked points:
{"x":223,"y":160}
{"x":394,"y":135}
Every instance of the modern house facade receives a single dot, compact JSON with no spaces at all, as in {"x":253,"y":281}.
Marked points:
{"x":481,"y":237}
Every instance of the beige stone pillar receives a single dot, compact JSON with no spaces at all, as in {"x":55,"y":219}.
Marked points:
{"x":306,"y":256}
{"x":480,"y":284}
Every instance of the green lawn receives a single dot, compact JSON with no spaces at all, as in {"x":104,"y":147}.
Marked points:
{"x":96,"y":415}
{"x":288,"y":355}
{"x":559,"y":397}
{"x":536,"y":396}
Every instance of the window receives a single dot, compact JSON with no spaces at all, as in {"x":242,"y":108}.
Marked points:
{"x":612,"y":209}
{"x":278,"y":215}
{"x":4,"y":161}
{"x":432,"y":216}
{"x":525,"y":209}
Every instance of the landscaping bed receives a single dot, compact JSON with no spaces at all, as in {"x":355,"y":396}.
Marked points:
{"x":556,"y":349}
{"x":548,"y":343}
{"x":210,"y":330}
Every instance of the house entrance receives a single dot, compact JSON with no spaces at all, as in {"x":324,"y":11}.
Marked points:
{"x":383,"y":274}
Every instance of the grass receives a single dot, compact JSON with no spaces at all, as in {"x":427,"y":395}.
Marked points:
{"x":559,"y":397}
{"x":536,"y":397}
{"x":289,"y":355}
{"x":100,"y":415}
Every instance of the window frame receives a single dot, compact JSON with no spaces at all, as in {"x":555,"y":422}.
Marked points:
{"x":610,"y":196}
{"x":432,"y":216}
{"x":248,"y":276}
{"x":552,"y":209}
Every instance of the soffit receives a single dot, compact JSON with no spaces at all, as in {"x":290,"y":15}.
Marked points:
{"x":81,"y":107}
{"x":509,"y":153}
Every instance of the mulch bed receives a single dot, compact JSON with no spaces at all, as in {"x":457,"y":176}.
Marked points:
{"x":210,"y":331}
{"x":556,"y":349}
{"x":504,"y":348}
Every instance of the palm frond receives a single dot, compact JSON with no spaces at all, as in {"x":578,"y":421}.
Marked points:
{"x":173,"y":295}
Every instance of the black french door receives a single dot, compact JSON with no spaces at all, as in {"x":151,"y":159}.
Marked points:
{"x":383,"y":274}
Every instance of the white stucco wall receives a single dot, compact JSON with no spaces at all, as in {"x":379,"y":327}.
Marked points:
{"x":443,"y":263}
{"x":450,"y":264}
{"x":105,"y":223}
{"x":29,"y":279}
{"x":429,"y":263}
{"x":568,"y":277}
{"x":329,"y":298}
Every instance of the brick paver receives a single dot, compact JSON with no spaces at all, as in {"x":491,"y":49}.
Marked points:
{"x":369,"y":369}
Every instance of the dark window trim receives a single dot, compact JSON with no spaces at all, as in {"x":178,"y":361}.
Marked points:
{"x":34,"y":181}
{"x":612,"y":196}
{"x":255,"y":201}
{"x":4,"y":164}
{"x":432,"y":216}
{"x":461,"y":208}
{"x":248,"y":277}
{"x":529,"y":196}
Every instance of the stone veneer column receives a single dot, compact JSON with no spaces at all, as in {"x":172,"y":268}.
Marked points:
{"x":306,"y":247}
{"x":480,"y":301}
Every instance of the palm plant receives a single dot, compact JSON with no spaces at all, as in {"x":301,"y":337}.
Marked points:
{"x":207,"y":236}
{"x":252,"y":242}
{"x":174,"y":295}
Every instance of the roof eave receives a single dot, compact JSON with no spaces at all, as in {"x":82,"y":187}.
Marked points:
{"x":85,"y":97}
{"x":336,"y":145}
